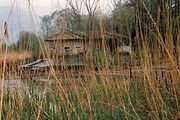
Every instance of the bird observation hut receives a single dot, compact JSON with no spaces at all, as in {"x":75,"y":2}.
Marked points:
{"x":67,"y":49}
{"x":65,"y":44}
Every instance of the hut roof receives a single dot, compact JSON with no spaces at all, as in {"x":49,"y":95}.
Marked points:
{"x":31,"y":64}
{"x":63,"y":36}
{"x":46,"y":63}
{"x":40,"y":63}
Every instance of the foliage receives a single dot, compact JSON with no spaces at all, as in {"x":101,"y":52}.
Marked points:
{"x":146,"y":88}
{"x":61,"y":20}
{"x":122,"y":18}
{"x":68,"y":20}
{"x":31,"y":43}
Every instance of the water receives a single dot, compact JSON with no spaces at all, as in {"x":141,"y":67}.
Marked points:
{"x":12,"y":84}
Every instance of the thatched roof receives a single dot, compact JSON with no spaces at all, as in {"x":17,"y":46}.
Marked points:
{"x":63,"y":36}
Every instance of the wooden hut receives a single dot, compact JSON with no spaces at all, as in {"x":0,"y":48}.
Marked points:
{"x":66,"y":49}
{"x":65,"y":44}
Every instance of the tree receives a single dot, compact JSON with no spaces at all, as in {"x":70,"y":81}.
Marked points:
{"x":45,"y":25}
{"x":91,"y":7}
{"x":30,"y":42}
{"x":122,"y":19}
{"x":76,"y":7}
{"x":60,"y":20}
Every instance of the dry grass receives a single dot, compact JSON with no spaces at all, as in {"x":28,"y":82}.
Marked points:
{"x":15,"y":56}
{"x":146,"y":88}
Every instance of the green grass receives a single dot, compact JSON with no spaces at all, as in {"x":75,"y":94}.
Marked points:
{"x":150,"y":92}
{"x":99,"y":99}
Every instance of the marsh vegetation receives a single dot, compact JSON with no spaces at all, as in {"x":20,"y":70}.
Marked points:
{"x":140,"y":83}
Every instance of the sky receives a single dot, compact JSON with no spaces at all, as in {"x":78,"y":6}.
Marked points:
{"x":21,"y":20}
{"x":43,"y":7}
